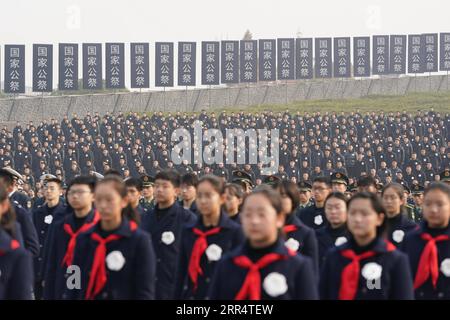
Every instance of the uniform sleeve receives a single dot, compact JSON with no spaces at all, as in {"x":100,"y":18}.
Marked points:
{"x":311,"y":250}
{"x":182,"y":270}
{"x":22,"y":278}
{"x":30,"y":237}
{"x":402,"y":283}
{"x":238,"y":238}
{"x":50,"y":269}
{"x":305,"y":282}
{"x":146,"y":269}
{"x":324,"y":279}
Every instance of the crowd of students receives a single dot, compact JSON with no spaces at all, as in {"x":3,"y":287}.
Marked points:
{"x":175,"y":236}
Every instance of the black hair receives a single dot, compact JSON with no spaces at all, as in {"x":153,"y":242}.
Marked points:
{"x":189,"y":179}
{"x":235,"y":189}
{"x":118,"y":185}
{"x":270,"y":194}
{"x":7,"y":178}
{"x":375,"y":203}
{"x":169,"y":175}
{"x":217,"y":183}
{"x":322,"y":179}
{"x":366,"y":181}
{"x":441,"y":186}
{"x":112,"y":172}
{"x":55,"y":180}
{"x":336,"y":195}
{"x":134,"y":182}
{"x":288,"y":188}
{"x":85,"y":180}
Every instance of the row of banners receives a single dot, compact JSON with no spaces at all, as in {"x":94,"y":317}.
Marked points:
{"x":228,"y":62}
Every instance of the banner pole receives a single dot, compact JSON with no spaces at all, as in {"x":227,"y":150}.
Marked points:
{"x":164,"y":98}
{"x":286,"y":84}
{"x":187,"y":99}
{"x":209,"y":94}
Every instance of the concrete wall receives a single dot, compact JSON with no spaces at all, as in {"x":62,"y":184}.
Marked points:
{"x":24,"y":109}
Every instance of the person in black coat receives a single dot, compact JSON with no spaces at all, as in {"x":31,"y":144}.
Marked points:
{"x":15,"y":262}
{"x":397,"y":223}
{"x":263,"y":267}
{"x":234,"y":195}
{"x":335,"y":233}
{"x":116,"y":259}
{"x":298,"y":236}
{"x":205,"y":242}
{"x":314,"y":216}
{"x":165,"y":224}
{"x":428,"y":247}
{"x":63,"y":235}
{"x":367,"y":267}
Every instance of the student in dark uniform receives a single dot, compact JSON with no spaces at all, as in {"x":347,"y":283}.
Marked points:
{"x":397,"y":223}
{"x":165,"y":224}
{"x":15,"y":262}
{"x":367,"y":184}
{"x":134,"y":188}
{"x":52,"y":211}
{"x":234,"y":196}
{"x":188,"y":187}
{"x":335,"y":233}
{"x":428,"y":248}
{"x":147,"y":201}
{"x":367,"y":267}
{"x":299,"y":237}
{"x":314,"y":216}
{"x":23,"y":218}
{"x":63,"y":235}
{"x":115,"y":257}
{"x":263,"y":268}
{"x":205,"y":242}
{"x":445,"y":176}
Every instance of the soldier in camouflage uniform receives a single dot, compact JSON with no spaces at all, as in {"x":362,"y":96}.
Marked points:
{"x":147,"y":201}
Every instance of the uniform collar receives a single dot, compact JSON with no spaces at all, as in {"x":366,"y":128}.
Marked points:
{"x":125,"y":229}
{"x":224,"y":221}
{"x":279,"y":247}
{"x":379,"y":245}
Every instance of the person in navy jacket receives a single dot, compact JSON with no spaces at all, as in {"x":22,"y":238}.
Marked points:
{"x":134,"y":189}
{"x":52,"y":211}
{"x":63,"y":235}
{"x":314,"y":216}
{"x":188,"y":185}
{"x":428,"y":248}
{"x":263,"y":268}
{"x":115,"y":257}
{"x":367,"y":267}
{"x":397,"y":224}
{"x":26,"y":231}
{"x":205,"y":242}
{"x":335,"y":232}
{"x":299,"y":237}
{"x":16,"y":278}
{"x":165,"y":224}
{"x":234,"y":195}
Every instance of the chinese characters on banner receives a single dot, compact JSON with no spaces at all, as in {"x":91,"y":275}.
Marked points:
{"x":92,"y":66}
{"x":164,"y":64}
{"x":15,"y":68}
{"x":342,"y":57}
{"x":267,"y":60}
{"x":230,"y":62}
{"x":361,"y":56}
{"x":286,"y":59}
{"x":210,"y":63}
{"x":42,"y":67}
{"x":415,"y":53}
{"x":248,"y":60}
{"x":380,"y":56}
{"x":304,"y":58}
{"x":398,"y":54}
{"x":430,"y":61}
{"x":444,"y":52}
{"x":187,"y":63}
{"x":139,"y":64}
{"x":323,"y":58}
{"x":68,"y":66}
{"x":115,"y":65}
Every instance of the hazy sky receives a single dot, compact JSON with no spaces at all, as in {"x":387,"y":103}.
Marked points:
{"x":50,"y":21}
